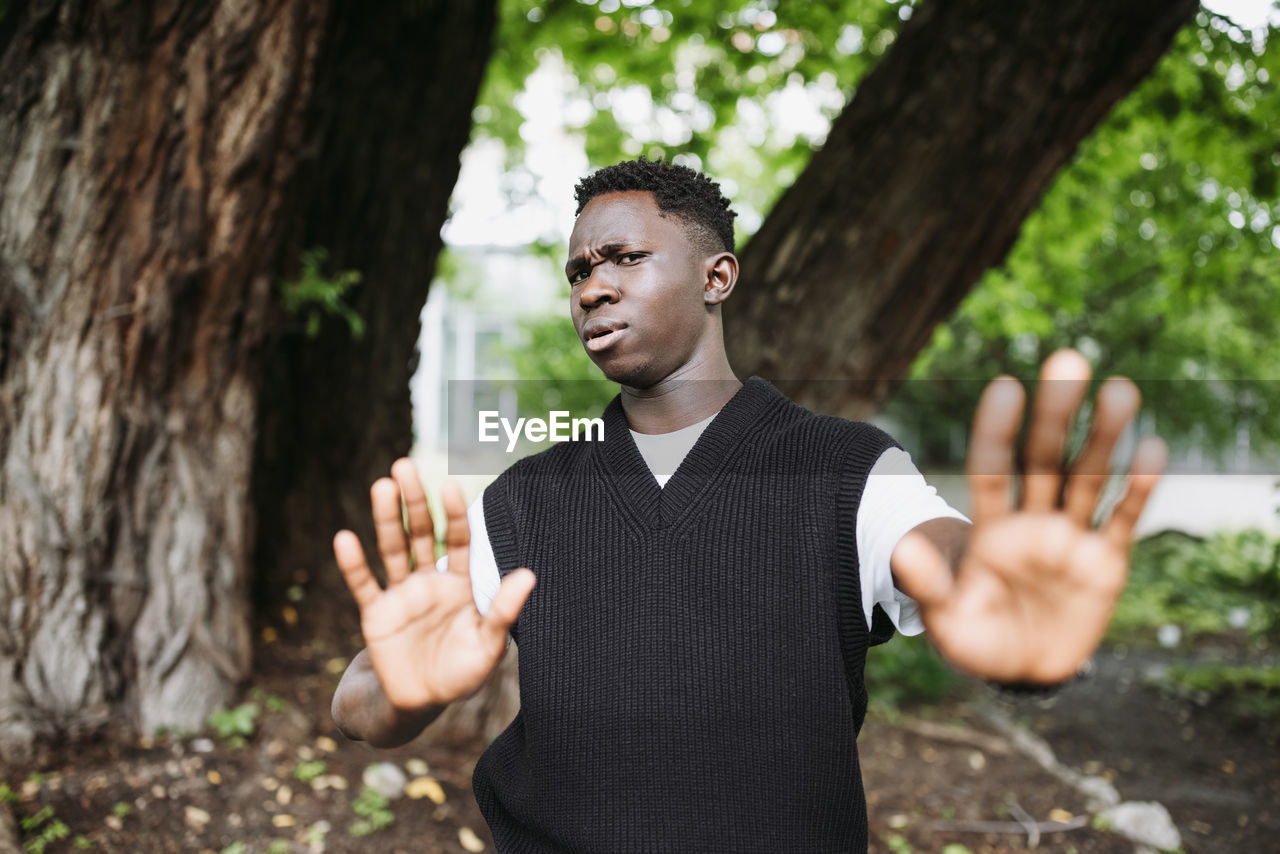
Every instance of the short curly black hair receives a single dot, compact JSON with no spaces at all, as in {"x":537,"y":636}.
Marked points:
{"x":678,"y":190}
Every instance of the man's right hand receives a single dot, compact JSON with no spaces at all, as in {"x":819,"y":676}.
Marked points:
{"x":427,"y":643}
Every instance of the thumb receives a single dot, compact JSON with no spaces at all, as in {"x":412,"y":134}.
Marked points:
{"x":920,"y":570}
{"x":510,"y":598}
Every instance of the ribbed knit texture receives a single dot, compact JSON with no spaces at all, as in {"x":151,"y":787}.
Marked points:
{"x":691,"y":657}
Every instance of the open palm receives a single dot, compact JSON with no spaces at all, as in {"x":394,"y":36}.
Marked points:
{"x":1035,"y":587}
{"x":426,"y":641}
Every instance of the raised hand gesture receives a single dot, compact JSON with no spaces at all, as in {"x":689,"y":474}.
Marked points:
{"x":1028,"y":597}
{"x":426,"y":642}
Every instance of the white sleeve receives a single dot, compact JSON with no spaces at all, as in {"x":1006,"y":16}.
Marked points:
{"x":485,"y":579}
{"x":895,"y":500}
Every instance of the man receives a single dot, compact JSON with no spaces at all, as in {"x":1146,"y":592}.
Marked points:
{"x":691,"y":657}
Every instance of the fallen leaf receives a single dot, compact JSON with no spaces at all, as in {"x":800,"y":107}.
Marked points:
{"x":469,"y":840}
{"x":425,"y":787}
{"x":1060,"y":815}
{"x":282,"y":820}
{"x":214,"y":777}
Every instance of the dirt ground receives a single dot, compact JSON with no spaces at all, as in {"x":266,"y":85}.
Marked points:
{"x":932,"y":778}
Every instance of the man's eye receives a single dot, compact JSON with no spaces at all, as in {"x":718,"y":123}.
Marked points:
{"x":579,"y":276}
{"x":630,"y":258}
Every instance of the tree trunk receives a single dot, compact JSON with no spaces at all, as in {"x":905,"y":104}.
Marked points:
{"x":152,"y":160}
{"x":924,"y":182}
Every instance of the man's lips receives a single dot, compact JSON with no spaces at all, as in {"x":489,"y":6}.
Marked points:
{"x":601,"y":333}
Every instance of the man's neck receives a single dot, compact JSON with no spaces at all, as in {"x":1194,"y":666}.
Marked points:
{"x":682,"y":399}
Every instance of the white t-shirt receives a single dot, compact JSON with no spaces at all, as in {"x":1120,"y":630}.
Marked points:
{"x":895,"y":500}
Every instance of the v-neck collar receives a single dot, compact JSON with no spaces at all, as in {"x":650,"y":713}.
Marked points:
{"x":631,"y":480}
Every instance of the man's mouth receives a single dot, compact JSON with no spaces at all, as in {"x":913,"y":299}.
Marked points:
{"x":600,"y":334}
{"x":603,"y":340}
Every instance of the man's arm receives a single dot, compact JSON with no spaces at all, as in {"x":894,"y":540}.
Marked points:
{"x":363,"y":713}
{"x":948,"y":535}
{"x":427,"y":644}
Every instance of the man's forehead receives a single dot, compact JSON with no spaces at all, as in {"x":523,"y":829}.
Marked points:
{"x":617,"y":217}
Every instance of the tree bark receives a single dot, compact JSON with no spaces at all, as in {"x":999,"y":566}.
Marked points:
{"x":923,"y":184}
{"x":155,"y":159}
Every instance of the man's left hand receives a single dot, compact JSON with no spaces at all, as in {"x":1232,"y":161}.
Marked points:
{"x":1028,"y":597}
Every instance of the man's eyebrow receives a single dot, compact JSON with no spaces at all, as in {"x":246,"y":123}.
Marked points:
{"x":580,"y":262}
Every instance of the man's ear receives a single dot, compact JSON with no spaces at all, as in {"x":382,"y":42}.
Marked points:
{"x":722,"y":275}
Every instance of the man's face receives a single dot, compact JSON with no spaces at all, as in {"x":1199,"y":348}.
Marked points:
{"x":637,"y":289}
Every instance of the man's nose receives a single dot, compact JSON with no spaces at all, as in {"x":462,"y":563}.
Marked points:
{"x":598,"y":288}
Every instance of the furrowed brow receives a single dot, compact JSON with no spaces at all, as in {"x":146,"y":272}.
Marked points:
{"x":581,"y":262}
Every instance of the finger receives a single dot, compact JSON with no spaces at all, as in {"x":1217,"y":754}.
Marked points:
{"x":506,"y":604}
{"x":920,"y":571}
{"x":1063,"y":382}
{"x":1148,"y":464}
{"x":355,"y":569}
{"x":1118,"y":402}
{"x":457,"y":533}
{"x":422,"y":528}
{"x":388,"y":524}
{"x":990,"y":463}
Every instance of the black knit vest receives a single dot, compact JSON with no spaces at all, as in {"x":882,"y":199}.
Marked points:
{"x":691,"y":657}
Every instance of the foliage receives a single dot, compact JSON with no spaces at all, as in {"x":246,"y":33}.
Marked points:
{"x":1155,"y":253}
{"x":234,"y":725}
{"x":308,"y":771}
{"x":272,"y":702}
{"x":42,"y":834}
{"x":1198,"y":585}
{"x":905,"y":672}
{"x":121,"y":809}
{"x":1250,"y":691}
{"x":315,"y":294}
{"x":690,"y":80}
{"x":374,"y":810}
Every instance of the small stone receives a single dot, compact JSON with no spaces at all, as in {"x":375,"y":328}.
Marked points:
{"x":282,"y":820}
{"x":113,"y":822}
{"x":467,"y":837}
{"x":213,"y":777}
{"x":196,"y":817}
{"x":275,"y":747}
{"x":328,"y":745}
{"x":1168,"y":635}
{"x":158,"y":792}
{"x":1060,"y":815}
{"x":284,"y":796}
{"x":898,"y":821}
{"x":385,"y":778}
{"x":977,"y":760}
{"x":425,"y":787}
{"x":337,"y":782}
{"x":1144,"y":823}
{"x":417,"y":767}
{"x":928,"y":754}
{"x":201,"y":745}
{"x":270,"y":784}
